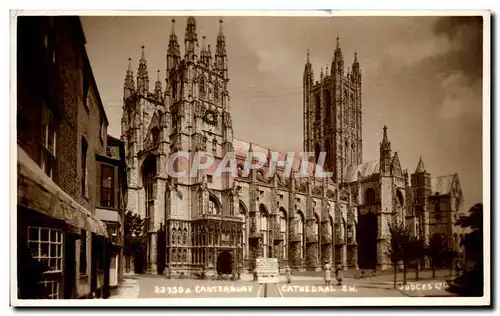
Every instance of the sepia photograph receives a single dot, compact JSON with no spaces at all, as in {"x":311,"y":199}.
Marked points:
{"x":250,"y":158}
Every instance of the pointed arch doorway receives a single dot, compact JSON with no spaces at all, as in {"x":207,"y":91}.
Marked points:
{"x":224,"y":263}
{"x":367,"y":241}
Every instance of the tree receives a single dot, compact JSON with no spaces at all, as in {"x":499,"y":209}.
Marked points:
{"x":473,"y":241}
{"x":408,"y":246}
{"x":133,"y":234}
{"x":437,"y":244}
{"x":399,"y":246}
{"x":133,"y":227}
{"x":416,"y":253}
{"x":449,"y":255}
{"x":471,"y":282}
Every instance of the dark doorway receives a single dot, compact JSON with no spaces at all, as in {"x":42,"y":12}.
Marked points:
{"x":224,"y":263}
{"x":69,"y":267}
{"x":367,"y":241}
{"x":94,"y":261}
{"x":161,"y":251}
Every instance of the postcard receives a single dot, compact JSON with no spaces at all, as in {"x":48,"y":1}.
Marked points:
{"x":284,"y":158}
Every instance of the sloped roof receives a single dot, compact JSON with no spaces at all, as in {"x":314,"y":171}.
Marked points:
{"x":242,"y":147}
{"x":396,"y":165}
{"x":365,"y":169}
{"x":420,"y":166}
{"x":442,"y":185}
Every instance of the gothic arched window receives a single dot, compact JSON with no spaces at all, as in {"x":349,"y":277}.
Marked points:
{"x":283,"y":229}
{"x":318,"y":108}
{"x":328,"y":166}
{"x":300,"y":233}
{"x":317,"y":151}
{"x":331,"y":227}
{"x":214,"y":147}
{"x":213,"y":206}
{"x":316,"y":225}
{"x":203,"y":87}
{"x":154,"y":134}
{"x":437,"y":210}
{"x":328,"y":106}
{"x":346,"y":155}
{"x":264,"y":229}
{"x":370,"y":196}
{"x":149,"y":182}
{"x":216,"y":92}
{"x":244,"y":244}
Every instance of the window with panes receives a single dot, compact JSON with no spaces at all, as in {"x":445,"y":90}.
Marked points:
{"x":46,"y":246}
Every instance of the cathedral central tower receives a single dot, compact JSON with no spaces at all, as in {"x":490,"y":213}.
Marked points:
{"x":333,"y":114}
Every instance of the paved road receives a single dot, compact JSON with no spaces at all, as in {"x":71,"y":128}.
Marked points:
{"x":148,"y":286}
{"x":156,"y":287}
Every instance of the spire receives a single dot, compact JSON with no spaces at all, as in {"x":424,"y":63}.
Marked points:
{"x":203,"y":45}
{"x":356,"y":72}
{"x":142,"y":75}
{"x":308,"y":74}
{"x":173,"y":27}
{"x":129,"y":85}
{"x":190,"y":39}
{"x":338,"y":52}
{"x":385,"y":153}
{"x":221,"y":33}
{"x":158,"y":88}
{"x":420,"y":166}
{"x":308,"y":65}
{"x":204,"y":56}
{"x":220,"y":52}
{"x":173,"y":51}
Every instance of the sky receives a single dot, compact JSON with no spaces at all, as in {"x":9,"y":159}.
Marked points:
{"x":421,"y":77}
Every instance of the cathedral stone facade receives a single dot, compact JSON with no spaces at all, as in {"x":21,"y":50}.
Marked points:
{"x":220,"y":224}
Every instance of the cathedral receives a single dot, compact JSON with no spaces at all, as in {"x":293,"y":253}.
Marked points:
{"x":221,"y":224}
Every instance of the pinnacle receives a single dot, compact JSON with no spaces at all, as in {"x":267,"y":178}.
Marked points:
{"x":385,"y":135}
{"x":420,"y":166}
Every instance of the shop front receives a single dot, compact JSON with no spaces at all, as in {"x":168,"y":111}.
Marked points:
{"x":49,"y":223}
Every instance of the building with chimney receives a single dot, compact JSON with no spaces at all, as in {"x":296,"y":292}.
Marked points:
{"x":220,"y":224}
